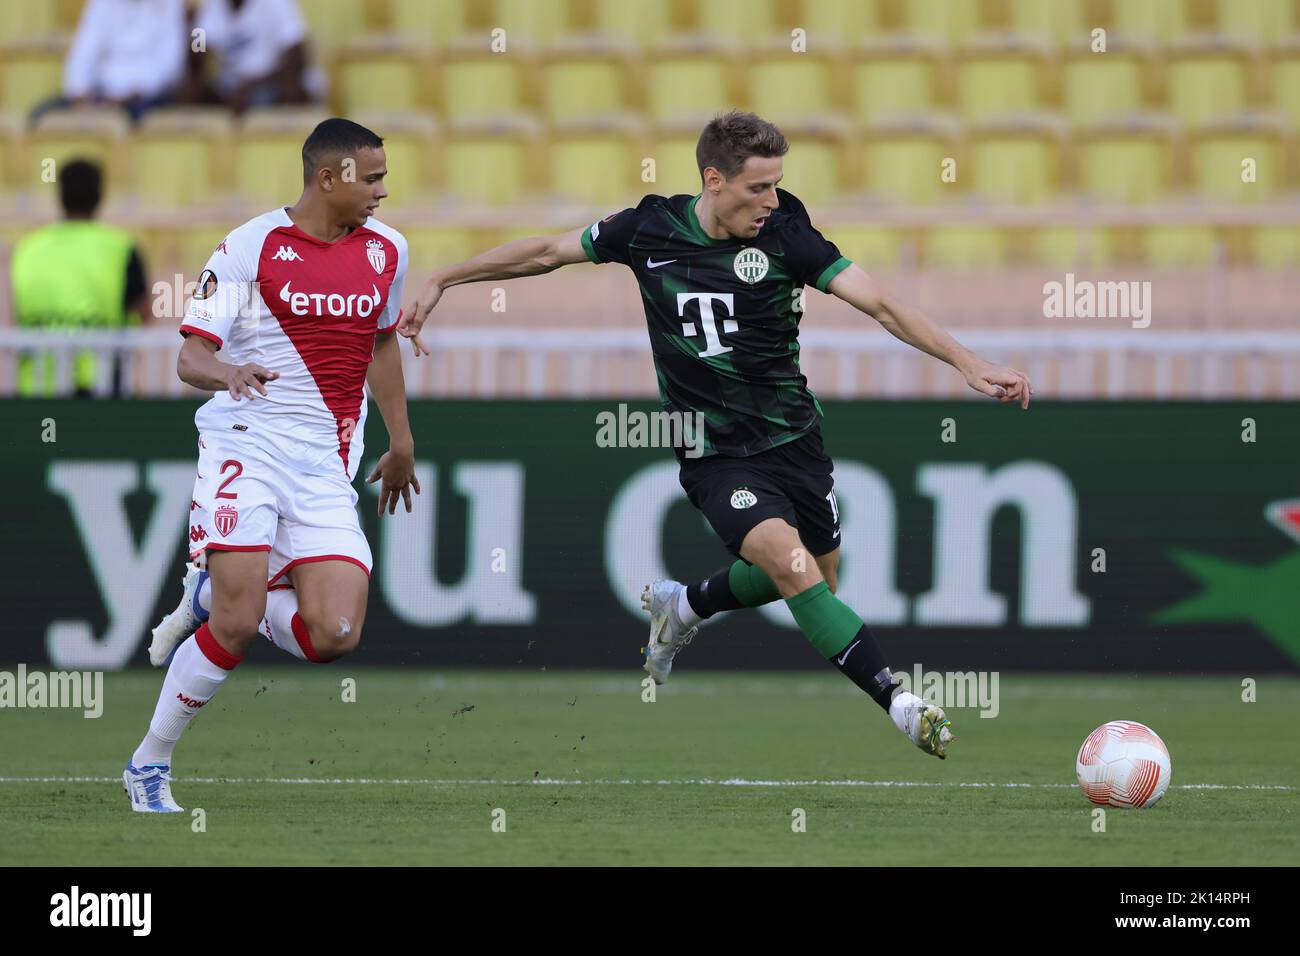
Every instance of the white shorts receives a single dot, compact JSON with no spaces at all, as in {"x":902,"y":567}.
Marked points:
{"x":249,"y":497}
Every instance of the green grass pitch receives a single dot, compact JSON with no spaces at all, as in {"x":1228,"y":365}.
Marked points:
{"x":587,"y":773}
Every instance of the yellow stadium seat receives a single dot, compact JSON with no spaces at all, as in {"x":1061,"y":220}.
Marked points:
{"x":585,"y":80}
{"x":1218,"y":159}
{"x":1176,"y":247}
{"x":182,"y":157}
{"x":815,"y":167}
{"x":1276,"y":247}
{"x":30,"y":73}
{"x":597,"y":163}
{"x":13,"y":152}
{"x":1059,"y":22}
{"x":1125,"y":163}
{"x":1066,"y":247}
{"x":475,"y":83}
{"x":411,"y":144}
{"x":383,"y":74}
{"x":844,"y":22}
{"x":672,"y":147}
{"x":331,"y":23}
{"x":99,"y":134}
{"x":267,"y":165}
{"x":29,"y":21}
{"x":688,"y":79}
{"x":1017,"y":163}
{"x":1160,"y":21}
{"x":748,"y":22}
{"x":893,"y":79}
{"x":439,"y":23}
{"x":537,"y":22}
{"x":1206,"y":81}
{"x":901,"y":162}
{"x":999,"y":78}
{"x":952,"y":21}
{"x":1258,"y":21}
{"x":780,"y":85}
{"x":432,"y":247}
{"x":1285,"y":70}
{"x":1099,"y":86}
{"x":644,"y":22}
{"x":491,"y":162}
{"x":871,"y":247}
{"x":965,"y":248}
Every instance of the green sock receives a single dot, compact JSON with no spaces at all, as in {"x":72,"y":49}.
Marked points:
{"x":829,"y":624}
{"x":751,"y":586}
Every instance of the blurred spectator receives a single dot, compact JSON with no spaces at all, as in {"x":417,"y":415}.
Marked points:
{"x":261,"y":54}
{"x":75,"y":274}
{"x":127,"y":53}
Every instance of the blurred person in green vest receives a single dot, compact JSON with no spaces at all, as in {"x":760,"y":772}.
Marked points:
{"x":75,"y":274}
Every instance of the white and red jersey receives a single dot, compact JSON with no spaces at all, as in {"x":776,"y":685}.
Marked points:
{"x":308,"y":309}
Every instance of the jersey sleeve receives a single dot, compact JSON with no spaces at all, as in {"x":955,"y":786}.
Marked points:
{"x":223,"y":291}
{"x":392,"y":313}
{"x":814,"y":259}
{"x":610,"y":239}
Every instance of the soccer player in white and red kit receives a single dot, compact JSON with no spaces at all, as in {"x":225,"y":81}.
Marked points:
{"x":303,"y":300}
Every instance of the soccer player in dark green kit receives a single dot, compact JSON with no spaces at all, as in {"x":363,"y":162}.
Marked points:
{"x":721,"y":277}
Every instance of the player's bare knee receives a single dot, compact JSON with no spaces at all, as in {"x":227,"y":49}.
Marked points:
{"x":333,"y":634}
{"x":235,"y":630}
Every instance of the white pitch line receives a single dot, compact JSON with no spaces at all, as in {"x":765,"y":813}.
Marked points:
{"x":549,"y":782}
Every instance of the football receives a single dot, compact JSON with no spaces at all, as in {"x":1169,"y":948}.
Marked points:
{"x":1123,"y":764}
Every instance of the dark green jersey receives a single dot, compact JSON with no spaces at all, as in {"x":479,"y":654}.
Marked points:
{"x":723,"y":315}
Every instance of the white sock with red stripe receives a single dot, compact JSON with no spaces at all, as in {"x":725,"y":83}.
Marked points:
{"x":285,"y":627}
{"x":198,"y":668}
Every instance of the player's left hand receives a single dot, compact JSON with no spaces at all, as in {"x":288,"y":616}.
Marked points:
{"x":398,"y":471}
{"x":998,"y":381}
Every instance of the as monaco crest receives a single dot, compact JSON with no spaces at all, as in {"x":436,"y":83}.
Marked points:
{"x":375,"y":253}
{"x":225,"y":519}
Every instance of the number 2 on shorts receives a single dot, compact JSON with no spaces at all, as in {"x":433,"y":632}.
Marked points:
{"x":239,"y":470}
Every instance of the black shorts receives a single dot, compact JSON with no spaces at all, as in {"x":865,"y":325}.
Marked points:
{"x":791,"y":481}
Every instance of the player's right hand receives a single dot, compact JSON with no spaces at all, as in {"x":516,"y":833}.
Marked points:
{"x":243,"y":379}
{"x":413,"y":320}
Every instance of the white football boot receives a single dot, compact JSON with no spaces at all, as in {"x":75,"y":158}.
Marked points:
{"x":925,"y":724}
{"x":668,"y":634}
{"x":183,"y":621}
{"x":150,"y":789}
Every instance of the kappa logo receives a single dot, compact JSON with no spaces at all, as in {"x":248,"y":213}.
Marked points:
{"x":750,"y":265}
{"x":288,"y":254}
{"x":225,"y":519}
{"x":375,"y":253}
{"x":743,"y":498}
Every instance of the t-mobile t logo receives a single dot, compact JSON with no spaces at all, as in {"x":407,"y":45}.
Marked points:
{"x":706,"y":299}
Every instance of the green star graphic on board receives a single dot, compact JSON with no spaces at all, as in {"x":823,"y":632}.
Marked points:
{"x":1267,"y":596}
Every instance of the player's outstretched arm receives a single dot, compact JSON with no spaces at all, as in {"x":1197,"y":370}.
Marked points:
{"x":911,"y":326}
{"x":388,"y":388}
{"x":199,"y":366}
{"x":533,"y":256}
